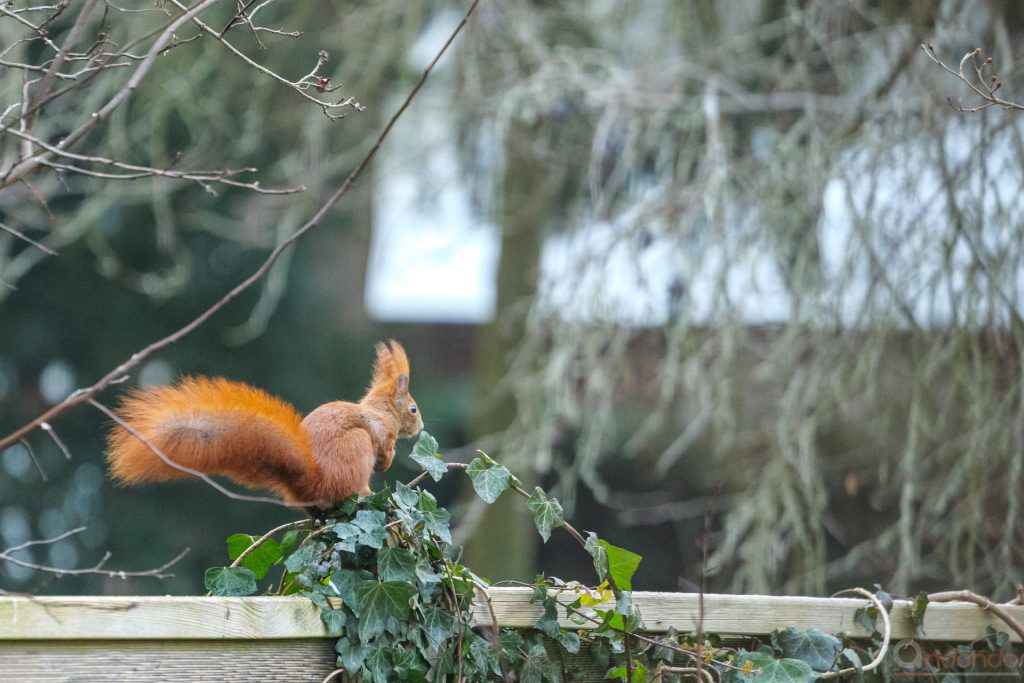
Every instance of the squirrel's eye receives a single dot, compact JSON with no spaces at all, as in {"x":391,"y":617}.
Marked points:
{"x":412,"y":408}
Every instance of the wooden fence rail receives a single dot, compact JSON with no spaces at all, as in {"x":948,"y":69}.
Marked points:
{"x":55,"y":638}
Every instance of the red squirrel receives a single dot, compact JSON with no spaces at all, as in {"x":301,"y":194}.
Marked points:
{"x":220,"y":427}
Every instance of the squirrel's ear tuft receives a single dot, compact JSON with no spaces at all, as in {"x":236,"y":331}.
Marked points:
{"x":391,"y":371}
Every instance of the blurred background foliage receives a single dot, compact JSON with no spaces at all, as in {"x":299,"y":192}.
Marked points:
{"x":756,"y":278}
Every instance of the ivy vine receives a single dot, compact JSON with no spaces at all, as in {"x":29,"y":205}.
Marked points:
{"x":380,"y":570}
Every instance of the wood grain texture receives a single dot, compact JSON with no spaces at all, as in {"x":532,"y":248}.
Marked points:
{"x":197,"y":618}
{"x":157,"y":617}
{"x":762,"y":614}
{"x":180,"y":661}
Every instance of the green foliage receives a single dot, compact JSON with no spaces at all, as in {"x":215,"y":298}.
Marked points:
{"x":489,"y":478}
{"x":424,"y":453}
{"x":380,"y":570}
{"x":765,"y":668}
{"x":599,"y":553}
{"x":819,"y":650}
{"x":547,"y":513}
{"x":261,"y":559}
{"x":621,"y":565}
{"x":230,"y":581}
{"x":917,"y":610}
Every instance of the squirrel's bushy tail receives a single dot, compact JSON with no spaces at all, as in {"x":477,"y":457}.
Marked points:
{"x":214,"y":426}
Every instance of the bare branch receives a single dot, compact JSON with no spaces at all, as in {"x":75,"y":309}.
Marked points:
{"x":46,"y":427}
{"x":297,"y":86}
{"x":982,"y":602}
{"x":984,"y":83}
{"x":22,"y":236}
{"x":26,"y":166}
{"x":87,"y":394}
{"x":98,"y":568}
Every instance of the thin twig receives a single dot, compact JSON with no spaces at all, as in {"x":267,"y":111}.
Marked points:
{"x":35,"y":460}
{"x":458,"y":617}
{"x":20,"y":235}
{"x":326,"y":106}
{"x":157,"y":572}
{"x":240,"y":14}
{"x":263,"y":539}
{"x":46,"y":427}
{"x":25,"y":166}
{"x":984,"y":89}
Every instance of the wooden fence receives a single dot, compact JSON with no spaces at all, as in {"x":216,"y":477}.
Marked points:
{"x":282,"y":639}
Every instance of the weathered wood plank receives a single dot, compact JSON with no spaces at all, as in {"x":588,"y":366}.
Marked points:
{"x":157,"y":617}
{"x":176,"y":661}
{"x":192,"y":618}
{"x":761,"y":614}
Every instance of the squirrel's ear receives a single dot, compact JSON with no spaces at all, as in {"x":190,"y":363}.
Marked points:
{"x":403,"y":384}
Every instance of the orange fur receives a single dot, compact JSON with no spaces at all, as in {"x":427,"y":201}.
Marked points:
{"x":391,"y":363}
{"x":220,"y":427}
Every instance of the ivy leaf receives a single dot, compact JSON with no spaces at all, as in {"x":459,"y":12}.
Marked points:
{"x":917,"y":610}
{"x":535,"y":665}
{"x":407,"y":665}
{"x":547,"y":513}
{"x":348,"y":545}
{"x":438,"y":624}
{"x":883,"y":597}
{"x":570,"y":641}
{"x":302,"y":557}
{"x":368,"y":520}
{"x":600,"y":555}
{"x":344,"y":583}
{"x":818,"y":649}
{"x":334,"y":620}
{"x":379,"y":600}
{"x":639,"y":673}
{"x":424,"y":453}
{"x":436,"y":518}
{"x":396,"y":564}
{"x":230,"y":581}
{"x":853,"y":657}
{"x":484,"y":656}
{"x":621,"y":565}
{"x":405,"y":497}
{"x":426,"y":573}
{"x":351,"y":654}
{"x":371,"y":522}
{"x":548,"y":622}
{"x":662,"y":650}
{"x":511,"y":644}
{"x":760,"y":667}
{"x":377,"y":662}
{"x":288,"y":542}
{"x":488,"y":481}
{"x":260,"y":560}
{"x":624,"y":603}
{"x":867,"y":618}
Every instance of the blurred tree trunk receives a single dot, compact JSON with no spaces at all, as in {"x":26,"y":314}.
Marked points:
{"x":504,"y":543}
